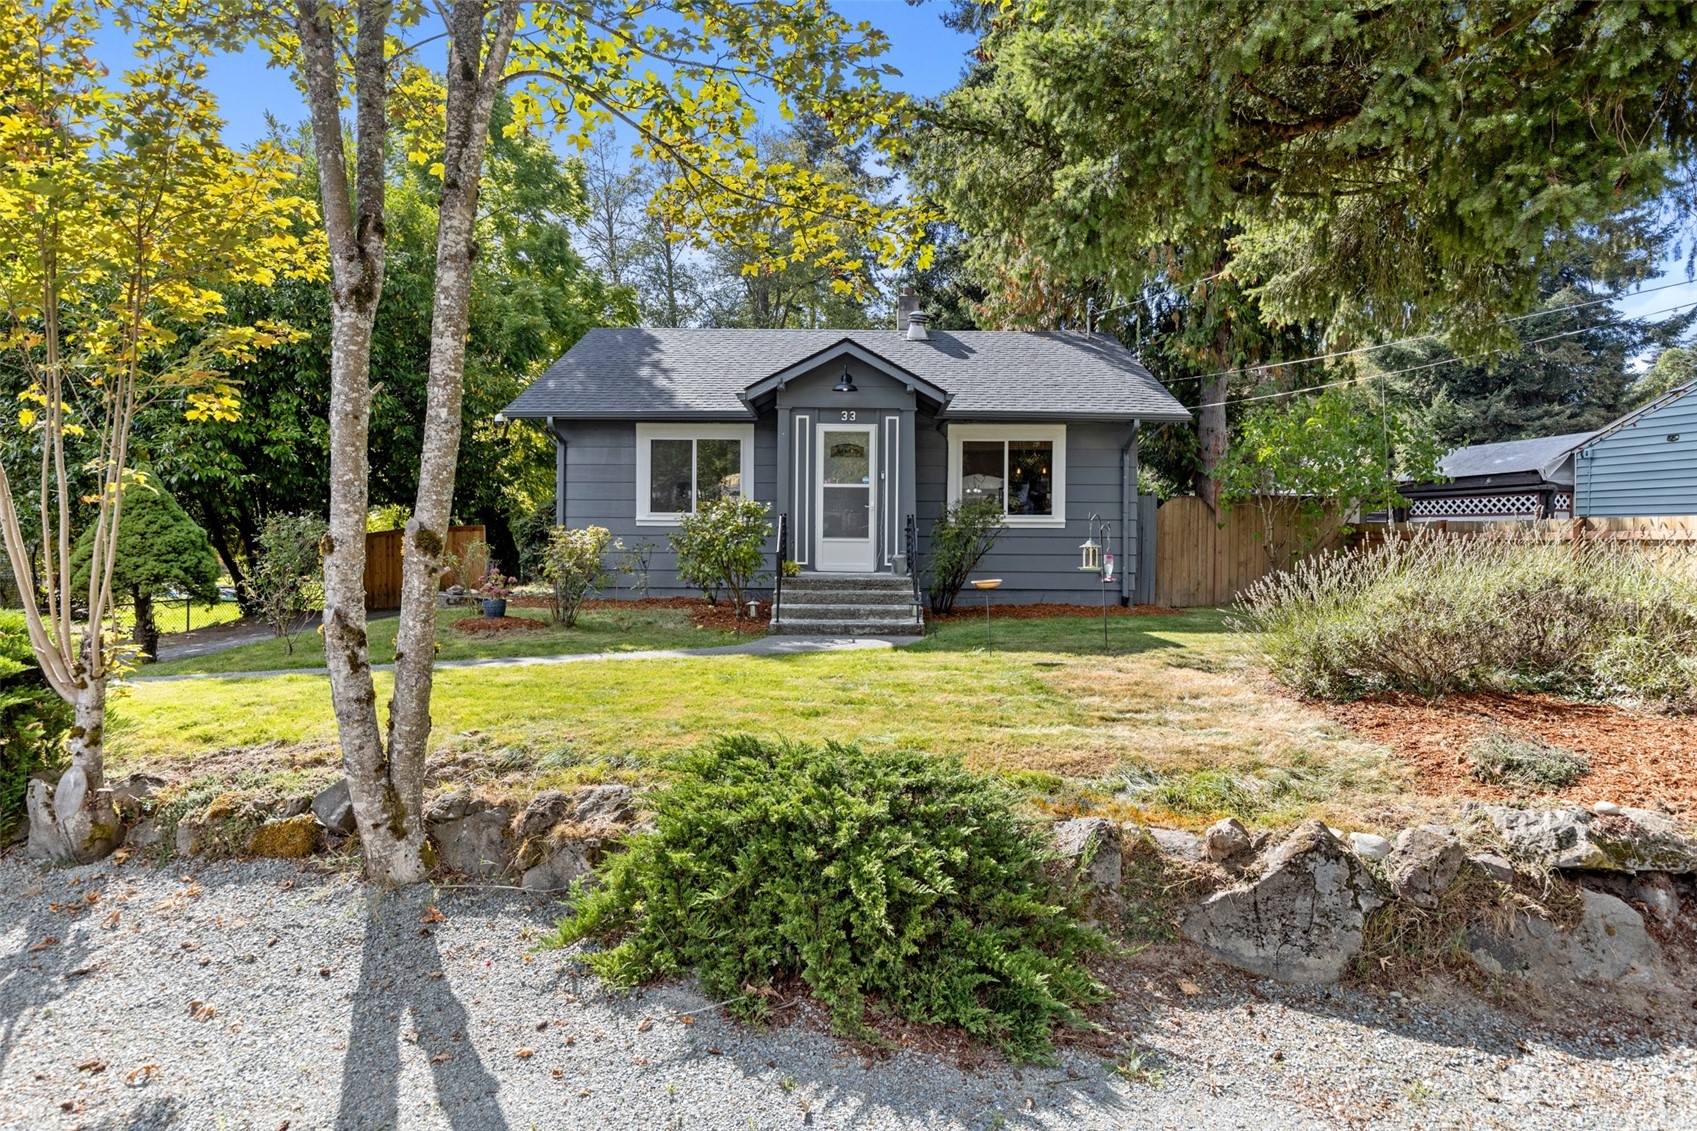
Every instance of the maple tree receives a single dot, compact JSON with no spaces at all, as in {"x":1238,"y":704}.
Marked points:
{"x":121,"y":212}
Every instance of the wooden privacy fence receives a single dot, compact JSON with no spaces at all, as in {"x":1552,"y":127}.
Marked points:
{"x":1669,"y":539}
{"x":1208,"y":557}
{"x":383,"y":563}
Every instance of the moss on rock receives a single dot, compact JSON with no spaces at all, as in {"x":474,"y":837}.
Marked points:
{"x":293,"y":838}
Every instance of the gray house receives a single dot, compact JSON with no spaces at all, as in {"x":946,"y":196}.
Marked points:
{"x":1642,"y":465}
{"x":858,"y":440}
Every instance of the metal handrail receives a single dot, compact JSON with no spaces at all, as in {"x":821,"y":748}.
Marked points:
{"x":778,"y":576}
{"x":912,"y":536}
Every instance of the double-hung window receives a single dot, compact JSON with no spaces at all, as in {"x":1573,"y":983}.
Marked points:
{"x":1021,"y":467}
{"x":680,"y":467}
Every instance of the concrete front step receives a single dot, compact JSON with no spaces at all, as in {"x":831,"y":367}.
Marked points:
{"x":873,"y":598}
{"x":863,"y":627}
{"x":838,"y":582}
{"x":848,"y":604}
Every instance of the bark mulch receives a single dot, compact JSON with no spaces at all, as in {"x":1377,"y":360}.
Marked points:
{"x":494,"y":626}
{"x":720,"y":616}
{"x":1637,"y":757}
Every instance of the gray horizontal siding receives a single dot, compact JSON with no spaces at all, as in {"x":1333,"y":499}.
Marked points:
{"x":601,"y":490}
{"x":1638,"y":470}
{"x":1037,"y":565}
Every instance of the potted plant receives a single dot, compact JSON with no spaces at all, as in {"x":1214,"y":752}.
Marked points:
{"x":495,"y":590}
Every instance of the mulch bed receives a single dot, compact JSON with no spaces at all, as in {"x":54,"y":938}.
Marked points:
{"x":971,"y":604}
{"x":494,"y":626}
{"x":720,"y":616}
{"x":1637,"y":757}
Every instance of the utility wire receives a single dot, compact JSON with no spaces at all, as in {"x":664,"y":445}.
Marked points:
{"x":1414,"y":368}
{"x":1266,"y":365}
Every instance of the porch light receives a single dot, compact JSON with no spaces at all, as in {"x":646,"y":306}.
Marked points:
{"x":846,"y":385}
{"x":1090,"y":556}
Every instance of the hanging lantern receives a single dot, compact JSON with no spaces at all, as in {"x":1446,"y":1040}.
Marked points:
{"x":1090,"y":556}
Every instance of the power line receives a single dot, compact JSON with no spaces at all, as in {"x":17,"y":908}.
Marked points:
{"x":1422,"y":337}
{"x":1413,"y":368}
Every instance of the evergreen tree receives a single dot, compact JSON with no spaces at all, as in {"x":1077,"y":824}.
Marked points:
{"x":160,"y":550}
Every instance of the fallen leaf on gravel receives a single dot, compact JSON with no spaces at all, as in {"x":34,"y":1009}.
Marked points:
{"x":686,"y":1019}
{"x":91,"y":897}
{"x":324,"y":971}
{"x":435,"y":974}
{"x":715,"y":1050}
{"x":50,"y":940}
{"x":557,"y":1073}
{"x":431,"y":915}
{"x":639,"y":1061}
{"x":442,"y":1058}
{"x":583,"y":1092}
{"x":145,"y":1072}
{"x":200,"y":1011}
{"x":92,"y":1066}
{"x":1189,"y":989}
{"x":111,"y":920}
{"x":525,"y":1054}
{"x":645,"y":1024}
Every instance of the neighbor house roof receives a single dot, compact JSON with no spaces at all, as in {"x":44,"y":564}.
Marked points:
{"x":1542,"y":457}
{"x":656,"y":374}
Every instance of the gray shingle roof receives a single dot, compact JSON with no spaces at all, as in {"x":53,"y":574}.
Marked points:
{"x":1542,"y":456}
{"x":658,"y":374}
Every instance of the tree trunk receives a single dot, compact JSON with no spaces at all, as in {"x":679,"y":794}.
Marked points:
{"x":74,"y":820}
{"x":1211,"y":438}
{"x":146,"y":634}
{"x":473,"y":83}
{"x":391,"y":836}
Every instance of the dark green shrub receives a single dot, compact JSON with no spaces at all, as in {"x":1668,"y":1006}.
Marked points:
{"x":959,"y":541}
{"x":1503,"y":759}
{"x":33,"y":719}
{"x":1437,"y":614}
{"x":895,"y":881}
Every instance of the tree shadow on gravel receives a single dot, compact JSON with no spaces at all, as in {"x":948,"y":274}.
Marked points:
{"x":403,"y":992}
{"x":39,"y":972}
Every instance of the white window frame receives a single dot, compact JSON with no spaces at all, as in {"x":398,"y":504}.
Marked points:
{"x":647,"y":433}
{"x":1054,"y":433}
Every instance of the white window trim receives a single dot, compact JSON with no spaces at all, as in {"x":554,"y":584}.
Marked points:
{"x":646,"y":433}
{"x":1056,"y":433}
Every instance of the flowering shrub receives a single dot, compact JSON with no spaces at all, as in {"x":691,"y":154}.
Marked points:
{"x":574,"y":563}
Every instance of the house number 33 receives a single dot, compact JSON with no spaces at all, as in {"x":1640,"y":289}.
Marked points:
{"x":848,"y":414}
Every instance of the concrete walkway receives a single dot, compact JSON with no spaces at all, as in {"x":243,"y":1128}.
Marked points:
{"x":764,"y":646}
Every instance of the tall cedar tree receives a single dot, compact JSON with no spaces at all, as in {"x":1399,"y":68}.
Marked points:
{"x":1369,"y":168}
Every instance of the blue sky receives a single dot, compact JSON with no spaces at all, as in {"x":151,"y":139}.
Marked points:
{"x":929,"y":55}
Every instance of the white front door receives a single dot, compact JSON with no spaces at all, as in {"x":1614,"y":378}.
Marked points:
{"x":846,"y":498}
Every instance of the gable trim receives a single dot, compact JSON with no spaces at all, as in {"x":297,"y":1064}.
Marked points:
{"x":847,"y":347}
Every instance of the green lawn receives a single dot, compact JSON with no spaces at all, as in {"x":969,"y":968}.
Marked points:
{"x":597,"y":630}
{"x":1174,"y":704}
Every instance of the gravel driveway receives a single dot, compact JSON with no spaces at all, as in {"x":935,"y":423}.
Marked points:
{"x":263,"y":995}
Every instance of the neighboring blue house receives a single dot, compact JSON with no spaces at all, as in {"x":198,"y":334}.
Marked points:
{"x":1642,"y":465}
{"x":851,"y":436}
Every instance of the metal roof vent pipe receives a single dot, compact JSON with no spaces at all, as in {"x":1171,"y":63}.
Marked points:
{"x":916,"y":326}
